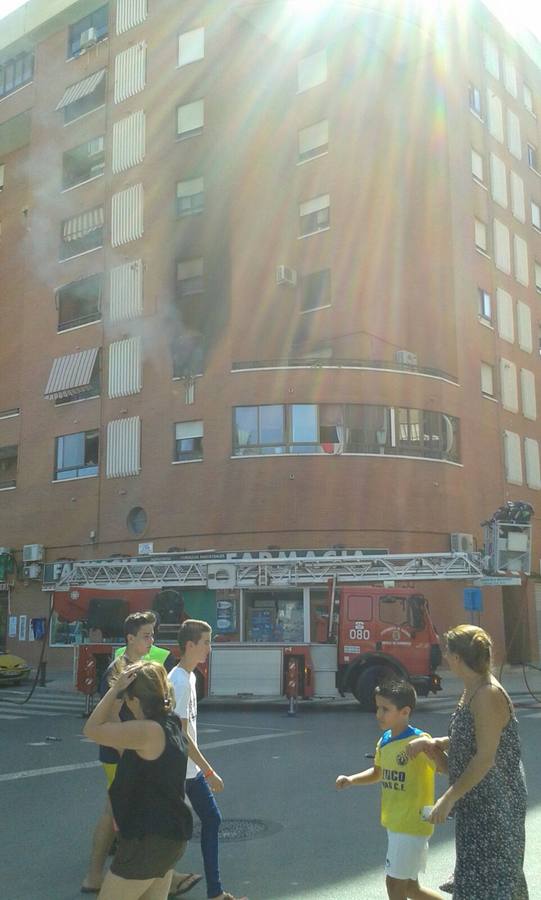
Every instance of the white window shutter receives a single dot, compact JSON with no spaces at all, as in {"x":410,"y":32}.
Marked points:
{"x":185,"y":430}
{"x":521,"y":260}
{"x":130,"y":13}
{"x":533,"y":470}
{"x":130,"y":71}
{"x":126,"y":291}
{"x":509,"y":76}
{"x":491,"y":56}
{"x":127,"y":215}
{"x":312,"y":70}
{"x":314,"y":136}
{"x":487,"y":379}
{"x":513,"y":457}
{"x":477,"y":165}
{"x":125,"y":367}
{"x":518,"y":205}
{"x":498,"y":178}
{"x":123,"y":447}
{"x":495,"y":115}
{"x":502,"y":247}
{"x":506,"y":328}
{"x":524,"y":327}
{"x":191,"y":46}
{"x":527,"y":389}
{"x":128,"y":142}
{"x":509,"y":385}
{"x":514,"y":141}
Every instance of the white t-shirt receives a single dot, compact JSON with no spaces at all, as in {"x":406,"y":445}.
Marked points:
{"x":186,"y":707}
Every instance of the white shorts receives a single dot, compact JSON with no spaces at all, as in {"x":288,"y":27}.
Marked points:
{"x":406,"y":855}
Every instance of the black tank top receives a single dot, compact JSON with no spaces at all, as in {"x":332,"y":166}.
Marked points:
{"x":147,"y":796}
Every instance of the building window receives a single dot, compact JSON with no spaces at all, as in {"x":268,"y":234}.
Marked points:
{"x":495,"y":116}
{"x":16,"y":72}
{"x":190,"y":277}
{"x":83,"y":97}
{"x":83,"y":162}
{"x":477,"y":166}
{"x":187,"y":353}
{"x":498,"y":178}
{"x":509,"y":76}
{"x":2,"y":176}
{"x":532,"y":156}
{"x":538,"y":276}
{"x":518,"y":204}
{"x":191,"y":46}
{"x":82,"y":233}
{"x":506,"y":317}
{"x":90,"y":390}
{"x":502,"y":247}
{"x":88,"y":31}
{"x":533,"y":468}
{"x":76,"y":455}
{"x":481,"y":235}
{"x":188,"y":441}
{"x":315,"y":215}
{"x":514,"y":140}
{"x":491,"y":56}
{"x":475,"y":100}
{"x":487,"y":379}
{"x":316,"y":290}
{"x":137,"y":520}
{"x":485,"y":305}
{"x":313,"y":140}
{"x":528,"y":99}
{"x":190,"y":197}
{"x":312,"y":70}
{"x":344,"y":428}
{"x":190,"y":119}
{"x":536,"y":215}
{"x":8,"y":467}
{"x":79,"y":303}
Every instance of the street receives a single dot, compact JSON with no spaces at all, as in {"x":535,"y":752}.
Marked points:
{"x":287,"y":833}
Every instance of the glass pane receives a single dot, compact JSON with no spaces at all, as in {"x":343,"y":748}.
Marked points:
{"x":73,"y":450}
{"x":271,"y":424}
{"x":304,"y":427}
{"x":246,"y":426}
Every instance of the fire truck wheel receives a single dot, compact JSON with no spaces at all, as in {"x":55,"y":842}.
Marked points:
{"x":366,"y":682}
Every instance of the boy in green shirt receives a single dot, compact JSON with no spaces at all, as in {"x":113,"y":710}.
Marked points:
{"x":407,"y":787}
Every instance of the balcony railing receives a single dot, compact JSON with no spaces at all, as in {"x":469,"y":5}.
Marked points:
{"x":328,"y":363}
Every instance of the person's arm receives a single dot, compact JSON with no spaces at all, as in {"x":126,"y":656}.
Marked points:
{"x":490,"y":711}
{"x":429,"y":745}
{"x":213,"y":779}
{"x":368,"y":776}
{"x":104,"y":728}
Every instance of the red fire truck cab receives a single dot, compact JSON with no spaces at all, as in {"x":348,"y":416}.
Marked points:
{"x":384,"y":633}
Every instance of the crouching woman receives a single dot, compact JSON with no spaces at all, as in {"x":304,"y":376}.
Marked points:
{"x":147,"y":794}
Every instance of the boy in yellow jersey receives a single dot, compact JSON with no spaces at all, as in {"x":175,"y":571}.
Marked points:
{"x":406,"y":789}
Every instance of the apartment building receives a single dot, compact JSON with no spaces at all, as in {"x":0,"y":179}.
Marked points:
{"x":270,"y":280}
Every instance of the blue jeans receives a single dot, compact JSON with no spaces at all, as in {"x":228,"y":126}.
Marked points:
{"x":204,"y":804}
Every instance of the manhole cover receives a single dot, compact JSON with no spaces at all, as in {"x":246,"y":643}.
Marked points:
{"x":240,"y":829}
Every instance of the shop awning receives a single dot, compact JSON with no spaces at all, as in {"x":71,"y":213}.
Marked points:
{"x":78,"y":226}
{"x":81,"y":89}
{"x":71,"y":374}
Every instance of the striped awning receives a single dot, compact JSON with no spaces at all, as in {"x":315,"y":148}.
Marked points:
{"x":78,"y":226}
{"x":81,"y":89}
{"x":71,"y":374}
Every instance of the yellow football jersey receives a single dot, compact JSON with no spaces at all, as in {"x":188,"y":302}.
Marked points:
{"x":406,"y":784}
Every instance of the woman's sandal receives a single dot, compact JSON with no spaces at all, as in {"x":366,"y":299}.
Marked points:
{"x":185,"y":885}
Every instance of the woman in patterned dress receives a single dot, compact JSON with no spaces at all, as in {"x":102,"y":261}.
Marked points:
{"x":487,"y":788}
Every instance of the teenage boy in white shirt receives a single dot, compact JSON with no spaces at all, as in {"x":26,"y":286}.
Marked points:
{"x":194,"y":639}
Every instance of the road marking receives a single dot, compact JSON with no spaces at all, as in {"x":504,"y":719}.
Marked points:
{"x":38,"y":744}
{"x":245,"y":727}
{"x":12,"y":718}
{"x":73,"y":767}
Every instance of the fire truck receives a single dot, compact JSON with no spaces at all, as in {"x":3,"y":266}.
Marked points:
{"x":303,"y":624}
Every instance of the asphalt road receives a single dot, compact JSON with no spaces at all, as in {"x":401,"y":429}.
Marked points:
{"x":289,"y":833}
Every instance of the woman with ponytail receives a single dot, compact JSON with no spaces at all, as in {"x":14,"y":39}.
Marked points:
{"x":147,"y":794}
{"x":487,"y":789}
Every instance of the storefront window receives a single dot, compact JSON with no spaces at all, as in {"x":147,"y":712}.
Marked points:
{"x":274,"y":617}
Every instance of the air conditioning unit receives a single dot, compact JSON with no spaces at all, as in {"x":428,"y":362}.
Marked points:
{"x":88,"y":38}
{"x":462,"y":543}
{"x":285,"y":275}
{"x":406,"y":358}
{"x":32,"y":572}
{"x":33,"y":553}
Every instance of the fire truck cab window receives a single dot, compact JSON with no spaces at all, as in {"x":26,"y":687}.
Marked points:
{"x":359,"y":609}
{"x":274,"y":617}
{"x":393,"y":610}
{"x":417,"y":606}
